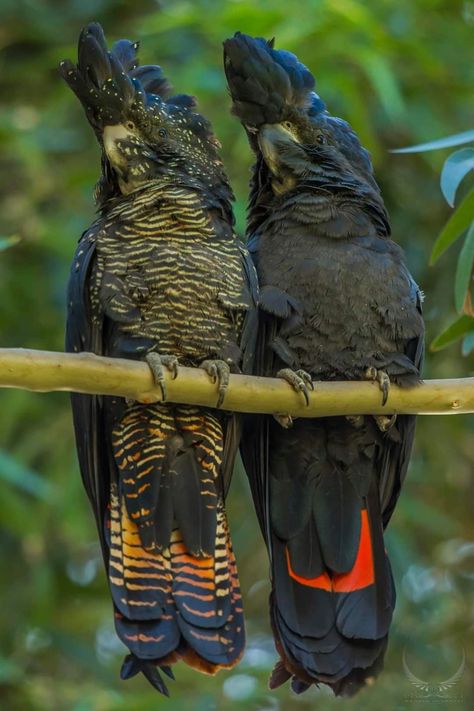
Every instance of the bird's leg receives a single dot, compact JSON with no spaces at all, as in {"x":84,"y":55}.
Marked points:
{"x":385,"y":422}
{"x":299,"y":380}
{"x":381,"y":377}
{"x":156,"y":363}
{"x":219,"y":371}
{"x":356,"y":420}
{"x":285,"y":421}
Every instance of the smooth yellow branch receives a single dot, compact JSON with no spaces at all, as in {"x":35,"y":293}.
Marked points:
{"x":46,"y":371}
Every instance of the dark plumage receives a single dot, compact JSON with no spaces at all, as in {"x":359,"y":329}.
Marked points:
{"x":337,"y":301}
{"x":159,"y":274}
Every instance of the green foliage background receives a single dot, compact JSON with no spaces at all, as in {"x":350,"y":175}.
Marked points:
{"x":400,"y":71}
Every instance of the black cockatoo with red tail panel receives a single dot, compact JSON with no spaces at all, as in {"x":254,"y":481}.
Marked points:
{"x":337,"y":302}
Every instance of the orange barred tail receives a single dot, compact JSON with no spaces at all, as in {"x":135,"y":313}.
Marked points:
{"x":172,"y":570}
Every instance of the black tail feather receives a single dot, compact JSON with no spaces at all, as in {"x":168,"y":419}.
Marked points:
{"x":132,"y":666}
{"x":332,"y":588}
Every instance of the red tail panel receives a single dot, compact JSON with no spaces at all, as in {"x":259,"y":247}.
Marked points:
{"x":323,"y":581}
{"x":360,"y":576}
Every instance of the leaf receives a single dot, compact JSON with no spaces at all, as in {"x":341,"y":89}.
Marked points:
{"x":454,"y":332}
{"x":463,"y":270}
{"x":456,"y":139}
{"x":384,"y":82}
{"x":454,"y":169}
{"x":455,"y":226}
{"x":26,"y":479}
{"x":467,"y":343}
{"x":6,"y":242}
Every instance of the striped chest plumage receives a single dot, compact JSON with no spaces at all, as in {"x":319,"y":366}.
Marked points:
{"x":169,"y":270}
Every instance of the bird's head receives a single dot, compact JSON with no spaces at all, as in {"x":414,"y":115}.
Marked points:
{"x":154,"y":138}
{"x":273,"y":95}
{"x":144,"y":132}
{"x":321,"y":149}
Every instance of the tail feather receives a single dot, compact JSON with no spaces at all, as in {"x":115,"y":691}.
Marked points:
{"x":141,"y":443}
{"x":140,"y":580}
{"x":327,"y":636}
{"x":132,"y":666}
{"x":174,"y":586}
{"x":332,"y":589}
{"x":200,"y":587}
{"x":152,"y":640}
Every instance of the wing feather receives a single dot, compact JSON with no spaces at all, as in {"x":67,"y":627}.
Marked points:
{"x":84,"y":333}
{"x":397,"y":453}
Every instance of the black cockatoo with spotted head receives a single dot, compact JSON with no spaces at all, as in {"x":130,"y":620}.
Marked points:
{"x":159,"y":276}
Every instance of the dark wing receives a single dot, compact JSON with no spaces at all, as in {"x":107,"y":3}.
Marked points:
{"x":254,"y":444}
{"x":248,"y":344}
{"x":276,"y":310}
{"x":84,"y":333}
{"x":248,"y":340}
{"x":397,"y":452}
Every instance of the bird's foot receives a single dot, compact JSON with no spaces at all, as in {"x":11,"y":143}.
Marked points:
{"x":356,"y":420}
{"x":219,"y":371}
{"x":385,"y":422}
{"x":299,"y":380}
{"x":156,"y":363}
{"x":381,"y":377}
{"x":285,"y":421}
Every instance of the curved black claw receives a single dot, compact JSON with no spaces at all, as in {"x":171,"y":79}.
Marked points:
{"x":385,"y":422}
{"x":220,"y":372}
{"x":299,"y":380}
{"x":285,"y":421}
{"x":156,"y":363}
{"x":383,"y":380}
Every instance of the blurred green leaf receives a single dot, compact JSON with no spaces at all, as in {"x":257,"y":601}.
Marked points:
{"x":464,"y":269}
{"x":459,"y":221}
{"x":384,"y":82}
{"x":463,"y":325}
{"x":448,"y":142}
{"x":23,"y":478}
{"x":454,"y":170}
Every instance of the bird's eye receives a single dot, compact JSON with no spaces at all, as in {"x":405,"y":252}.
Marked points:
{"x":288,"y":125}
{"x":162,"y":133}
{"x":130,"y":125}
{"x":320,"y":139}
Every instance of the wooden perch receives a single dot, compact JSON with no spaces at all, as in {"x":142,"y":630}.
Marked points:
{"x":46,"y":371}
